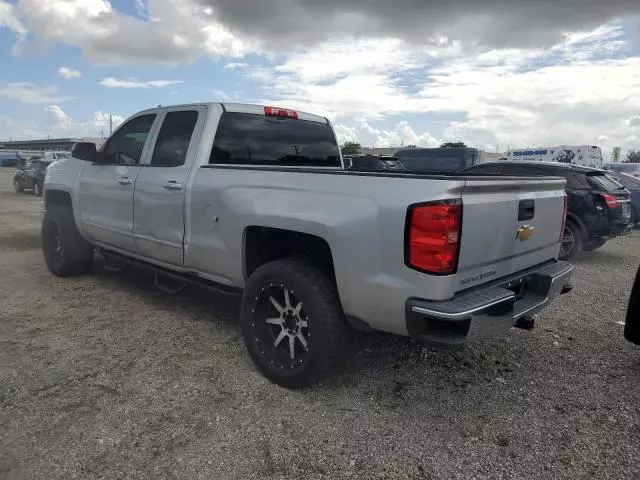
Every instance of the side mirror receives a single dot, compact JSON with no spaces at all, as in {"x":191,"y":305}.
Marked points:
{"x":85,"y":151}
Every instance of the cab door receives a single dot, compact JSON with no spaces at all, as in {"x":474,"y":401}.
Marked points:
{"x":162,"y":184}
{"x":106,"y":188}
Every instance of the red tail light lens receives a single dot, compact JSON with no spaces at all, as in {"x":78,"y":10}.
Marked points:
{"x":280,"y":112}
{"x":564,"y":216}
{"x":610,"y":200}
{"x":433,"y":236}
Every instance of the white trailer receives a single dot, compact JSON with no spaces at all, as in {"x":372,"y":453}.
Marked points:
{"x":586,"y":155}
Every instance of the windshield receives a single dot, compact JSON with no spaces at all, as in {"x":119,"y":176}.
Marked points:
{"x":626,"y":180}
{"x":604,"y":182}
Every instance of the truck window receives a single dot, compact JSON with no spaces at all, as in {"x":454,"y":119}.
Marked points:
{"x":126,"y":145}
{"x":249,"y":139}
{"x":174,"y":137}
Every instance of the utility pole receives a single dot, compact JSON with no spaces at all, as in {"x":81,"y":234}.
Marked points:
{"x":110,"y":124}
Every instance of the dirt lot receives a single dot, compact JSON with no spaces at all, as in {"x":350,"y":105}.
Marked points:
{"x":104,"y":377}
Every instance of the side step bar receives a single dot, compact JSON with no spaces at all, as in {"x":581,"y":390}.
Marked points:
{"x":167,"y":280}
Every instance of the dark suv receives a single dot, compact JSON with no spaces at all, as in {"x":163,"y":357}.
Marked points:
{"x":30,"y":176}
{"x":598,"y":207}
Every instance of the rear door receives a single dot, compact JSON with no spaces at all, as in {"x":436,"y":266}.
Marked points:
{"x":161,"y":185}
{"x":106,"y":189}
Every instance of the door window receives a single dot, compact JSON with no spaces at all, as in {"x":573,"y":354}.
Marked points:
{"x":173,"y":139}
{"x":126,"y":145}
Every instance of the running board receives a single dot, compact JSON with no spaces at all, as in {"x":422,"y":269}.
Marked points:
{"x":112,"y":264}
{"x":168,"y":287}
{"x":168,"y":276}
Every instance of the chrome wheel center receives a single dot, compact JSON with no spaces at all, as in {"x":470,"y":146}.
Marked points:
{"x":291,"y":323}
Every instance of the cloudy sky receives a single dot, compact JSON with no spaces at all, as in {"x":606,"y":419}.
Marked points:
{"x":493,"y":73}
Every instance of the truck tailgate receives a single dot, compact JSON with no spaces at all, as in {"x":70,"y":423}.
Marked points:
{"x":508,"y":224}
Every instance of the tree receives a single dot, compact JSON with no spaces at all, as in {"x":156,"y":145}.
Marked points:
{"x":633,"y":156}
{"x":453,"y":145}
{"x":350,"y":148}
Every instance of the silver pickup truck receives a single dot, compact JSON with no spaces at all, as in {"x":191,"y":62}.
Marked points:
{"x":256,"y":200}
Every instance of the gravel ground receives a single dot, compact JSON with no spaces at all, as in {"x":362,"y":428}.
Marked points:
{"x":104,"y":377}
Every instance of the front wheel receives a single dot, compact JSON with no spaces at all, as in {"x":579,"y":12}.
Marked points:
{"x":17,"y":186}
{"x":37,"y":189}
{"x":571,"y":243}
{"x":292,"y":323}
{"x":66,"y":252}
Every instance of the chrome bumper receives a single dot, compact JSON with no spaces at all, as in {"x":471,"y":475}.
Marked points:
{"x":488,"y":309}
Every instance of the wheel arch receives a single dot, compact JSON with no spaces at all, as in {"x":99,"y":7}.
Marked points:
{"x":575,"y":219}
{"x":265,"y":244}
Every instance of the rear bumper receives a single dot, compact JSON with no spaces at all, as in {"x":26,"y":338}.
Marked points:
{"x":488,"y":309}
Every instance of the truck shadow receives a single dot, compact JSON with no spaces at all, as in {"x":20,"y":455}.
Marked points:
{"x":383,"y":365}
{"x":597,"y":256}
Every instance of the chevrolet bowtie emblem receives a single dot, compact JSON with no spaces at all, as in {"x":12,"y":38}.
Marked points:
{"x":524,"y":233}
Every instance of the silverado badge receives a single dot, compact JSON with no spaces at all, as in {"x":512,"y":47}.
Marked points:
{"x":524,"y":232}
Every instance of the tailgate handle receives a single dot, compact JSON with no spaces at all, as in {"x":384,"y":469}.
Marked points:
{"x":526,"y":209}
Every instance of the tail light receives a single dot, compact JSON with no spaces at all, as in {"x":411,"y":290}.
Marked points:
{"x":564,"y":216}
{"x":610,"y":200}
{"x":280,"y":112}
{"x":433,"y":236}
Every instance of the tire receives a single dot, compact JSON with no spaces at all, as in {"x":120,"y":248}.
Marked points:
{"x":593,"y":245}
{"x":17,"y":185}
{"x":312,"y":310}
{"x":37,"y":189}
{"x":568,"y":251}
{"x":66,"y":252}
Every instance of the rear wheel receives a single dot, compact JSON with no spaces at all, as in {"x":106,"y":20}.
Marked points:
{"x":594,"y":245}
{"x":572,"y":242}
{"x":66,"y":252}
{"x":293,"y":324}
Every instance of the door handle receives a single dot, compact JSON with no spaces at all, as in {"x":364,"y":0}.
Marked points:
{"x":125,"y":181}
{"x":172,"y":185}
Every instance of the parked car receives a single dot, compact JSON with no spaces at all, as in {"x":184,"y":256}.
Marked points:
{"x":632,"y":184}
{"x":254,"y":199}
{"x":437,"y":160}
{"x":632,"y":169}
{"x":373,"y":163}
{"x":27,"y":175}
{"x":598,"y":207}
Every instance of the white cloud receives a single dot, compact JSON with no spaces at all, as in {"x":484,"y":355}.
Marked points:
{"x":30,"y":93}
{"x":577,"y":91}
{"x":62,"y":124}
{"x":62,"y":120}
{"x":236,"y":65}
{"x":163,"y":32}
{"x":66,"y":72}
{"x":633,"y":121}
{"x":111,"y":82}
{"x":369,"y":136}
{"x":220,"y":95}
{"x":9,"y":19}
{"x":102,"y":120}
